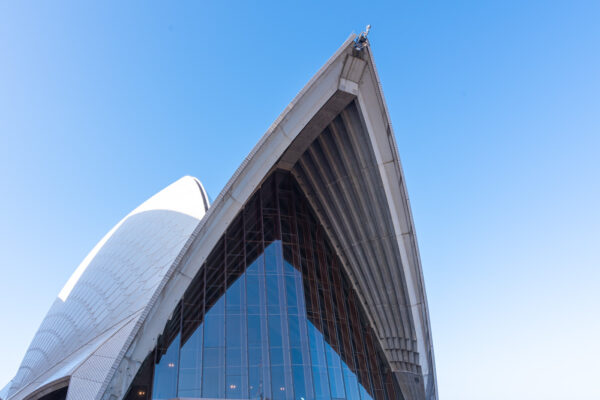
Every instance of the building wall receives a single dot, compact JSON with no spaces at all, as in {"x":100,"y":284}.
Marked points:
{"x":271,"y":314}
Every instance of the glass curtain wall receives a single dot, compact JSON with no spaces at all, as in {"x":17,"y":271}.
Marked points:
{"x":270,"y":315}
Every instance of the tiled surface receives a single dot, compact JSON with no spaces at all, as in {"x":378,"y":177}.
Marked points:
{"x":117,"y":283}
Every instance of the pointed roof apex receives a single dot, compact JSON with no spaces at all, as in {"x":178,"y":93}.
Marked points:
{"x":362,"y":41}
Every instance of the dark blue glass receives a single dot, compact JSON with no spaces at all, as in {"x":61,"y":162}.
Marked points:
{"x":253,"y":290}
{"x":334,"y":368}
{"x":319,"y":363}
{"x":165,"y":373}
{"x":190,"y":370}
{"x":259,"y":384}
{"x":291,"y":292}
{"x":297,"y":333}
{"x":364,"y":395}
{"x":234,"y":387}
{"x":258,"y":325}
{"x":213,"y":377}
{"x":273,"y":302}
{"x":236,"y":342}
{"x":278,"y":382}
{"x":351,"y":383}
{"x":234,"y":304}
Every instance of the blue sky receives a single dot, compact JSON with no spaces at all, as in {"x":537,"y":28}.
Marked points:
{"x":496,"y":109}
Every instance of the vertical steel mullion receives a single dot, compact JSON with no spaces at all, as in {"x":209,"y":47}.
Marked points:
{"x":260,"y":220}
{"x":285,"y":334}
{"x":266,"y":357}
{"x":203,"y":332}
{"x":278,"y":234}
{"x":244,"y":315}
{"x":342,"y":324}
{"x":179,"y":346}
{"x":225,"y":278}
{"x":314,"y":255}
{"x":330,"y":322}
{"x":302,"y":312}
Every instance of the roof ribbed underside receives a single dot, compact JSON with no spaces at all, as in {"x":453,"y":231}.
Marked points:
{"x":341,"y":178}
{"x":336,"y":138}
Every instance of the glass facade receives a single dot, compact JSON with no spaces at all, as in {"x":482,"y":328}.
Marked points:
{"x":270,"y":315}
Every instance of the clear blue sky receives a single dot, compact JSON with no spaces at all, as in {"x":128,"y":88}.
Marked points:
{"x":496,"y":109}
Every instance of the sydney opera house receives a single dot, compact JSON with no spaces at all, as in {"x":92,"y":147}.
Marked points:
{"x":302,"y":280}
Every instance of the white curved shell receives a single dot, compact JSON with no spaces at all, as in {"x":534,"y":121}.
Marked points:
{"x":118,"y":301}
{"x":89,"y":322}
{"x":356,"y":186}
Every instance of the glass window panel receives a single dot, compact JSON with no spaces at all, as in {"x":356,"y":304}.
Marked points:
{"x":273,"y":294}
{"x":234,"y":360}
{"x":234,"y":297}
{"x":275,"y":339}
{"x":214,"y":357}
{"x":283,"y":329}
{"x":189,"y":383}
{"x":234,"y":331}
{"x":291,"y":293}
{"x":253,"y":287}
{"x":255,"y":356}
{"x":213,"y":377}
{"x":317,"y":356}
{"x":288,"y":269}
{"x":253,"y":268}
{"x":297,"y":356}
{"x":214,"y":331}
{"x":321,"y":383}
{"x":271,"y":259}
{"x":213,"y":384}
{"x":336,"y":379}
{"x":276,"y":356}
{"x":278,"y":383}
{"x":351,"y":383}
{"x":364,"y":395}
{"x":255,"y":383}
{"x":299,"y":382}
{"x":234,"y":387}
{"x":255,"y":337}
{"x":190,"y":367}
{"x":165,"y":373}
{"x":294,"y":331}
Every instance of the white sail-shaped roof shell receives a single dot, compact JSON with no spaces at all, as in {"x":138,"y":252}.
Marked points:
{"x":88,"y":324}
{"x":380,"y":253}
{"x":390,"y":284}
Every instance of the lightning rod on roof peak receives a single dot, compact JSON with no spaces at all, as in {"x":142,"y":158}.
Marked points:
{"x":361,"y":41}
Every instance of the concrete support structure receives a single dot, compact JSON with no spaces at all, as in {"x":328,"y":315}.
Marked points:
{"x":336,"y":139}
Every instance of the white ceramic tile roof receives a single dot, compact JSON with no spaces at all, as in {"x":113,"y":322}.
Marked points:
{"x":349,"y":75}
{"x":148,"y":261}
{"x":89,"y":322}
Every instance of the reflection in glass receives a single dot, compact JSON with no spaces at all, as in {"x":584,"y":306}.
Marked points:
{"x":165,"y":373}
{"x":190,"y":370}
{"x":271,"y":315}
